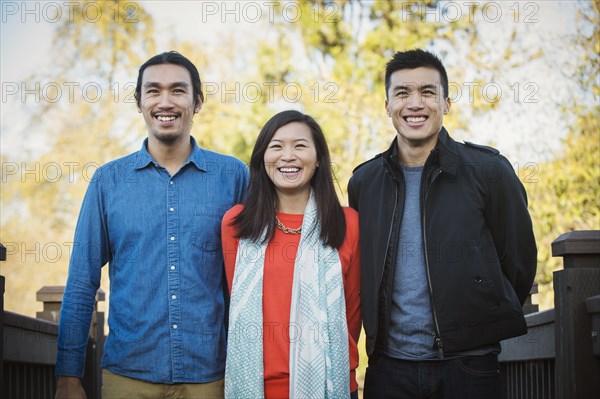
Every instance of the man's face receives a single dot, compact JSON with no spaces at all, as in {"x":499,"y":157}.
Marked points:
{"x":167,"y":102}
{"x":416,"y":105}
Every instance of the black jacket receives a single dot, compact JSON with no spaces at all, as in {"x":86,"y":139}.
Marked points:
{"x":480,"y":251}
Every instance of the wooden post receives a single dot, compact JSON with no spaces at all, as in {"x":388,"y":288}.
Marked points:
{"x":2,"y":332}
{"x":576,"y":368}
{"x":2,"y":259}
{"x":529,"y":306}
{"x":51,"y":297}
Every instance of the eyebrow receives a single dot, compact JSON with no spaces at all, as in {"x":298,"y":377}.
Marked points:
{"x":174,"y":84}
{"x":300,"y":139}
{"x":422,"y":87}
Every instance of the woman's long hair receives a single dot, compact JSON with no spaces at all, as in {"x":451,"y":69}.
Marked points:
{"x":258,"y":214}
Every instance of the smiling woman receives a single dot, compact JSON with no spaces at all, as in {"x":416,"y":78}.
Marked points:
{"x":292,"y":266}
{"x":290,"y":161}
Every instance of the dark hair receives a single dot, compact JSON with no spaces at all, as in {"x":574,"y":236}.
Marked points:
{"x":171,"y":57}
{"x":413,"y":59}
{"x":258,"y":214}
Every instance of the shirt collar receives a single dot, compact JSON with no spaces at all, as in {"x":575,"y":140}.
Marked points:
{"x":444,"y":153}
{"x":196,"y":157}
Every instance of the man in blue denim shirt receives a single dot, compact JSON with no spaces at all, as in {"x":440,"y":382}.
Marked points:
{"x":155,"y":216}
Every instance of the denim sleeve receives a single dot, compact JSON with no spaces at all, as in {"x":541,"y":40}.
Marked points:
{"x":242,"y":184}
{"x":90,"y":253}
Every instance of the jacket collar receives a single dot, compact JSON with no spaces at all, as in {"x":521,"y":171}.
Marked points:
{"x":196,"y":157}
{"x":444,"y":155}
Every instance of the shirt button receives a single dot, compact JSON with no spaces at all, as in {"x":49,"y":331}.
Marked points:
{"x":172,"y":267}
{"x":171,"y":183}
{"x":172,"y":238}
{"x":175,"y":326}
{"x":173,"y":296}
{"x":171,"y":209}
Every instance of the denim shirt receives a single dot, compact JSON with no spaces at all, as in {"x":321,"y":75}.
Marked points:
{"x":161,"y":236}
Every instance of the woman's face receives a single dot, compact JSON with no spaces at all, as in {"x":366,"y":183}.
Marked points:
{"x":291,"y":158}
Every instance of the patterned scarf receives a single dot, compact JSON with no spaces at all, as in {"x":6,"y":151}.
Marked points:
{"x":319,"y":360}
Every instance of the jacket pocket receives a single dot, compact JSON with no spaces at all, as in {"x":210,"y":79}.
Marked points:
{"x":488,"y":274}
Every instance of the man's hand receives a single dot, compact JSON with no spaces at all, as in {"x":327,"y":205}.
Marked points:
{"x":69,"y":388}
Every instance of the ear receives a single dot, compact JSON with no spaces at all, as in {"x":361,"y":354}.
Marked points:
{"x":387,"y":109}
{"x":447,"y":104}
{"x":198,"y":106}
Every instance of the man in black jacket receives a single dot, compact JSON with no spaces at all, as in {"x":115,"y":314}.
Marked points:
{"x":448,"y":254}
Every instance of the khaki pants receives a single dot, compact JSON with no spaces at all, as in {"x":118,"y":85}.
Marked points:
{"x":115,"y":386}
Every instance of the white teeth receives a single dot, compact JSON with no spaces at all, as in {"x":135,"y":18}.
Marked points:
{"x":165,"y":118}
{"x":289,"y":170}
{"x":415,"y":119}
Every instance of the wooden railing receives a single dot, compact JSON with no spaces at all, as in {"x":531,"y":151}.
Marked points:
{"x":556,"y":358}
{"x":29,"y":353}
{"x":29,"y":345}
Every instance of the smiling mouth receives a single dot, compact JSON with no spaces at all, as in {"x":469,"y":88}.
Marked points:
{"x":166,"y":118}
{"x":415,"y":119}
{"x":289,"y":169}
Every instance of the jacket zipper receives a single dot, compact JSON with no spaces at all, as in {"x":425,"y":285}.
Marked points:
{"x":387,"y":246}
{"x":437,"y":337}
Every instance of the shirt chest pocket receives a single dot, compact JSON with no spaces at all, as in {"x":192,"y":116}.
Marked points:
{"x":207,"y":227}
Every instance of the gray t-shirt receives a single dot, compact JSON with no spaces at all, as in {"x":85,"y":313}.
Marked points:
{"x":411,"y":324}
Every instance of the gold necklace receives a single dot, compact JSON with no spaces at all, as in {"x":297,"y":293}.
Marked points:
{"x":287,"y":230}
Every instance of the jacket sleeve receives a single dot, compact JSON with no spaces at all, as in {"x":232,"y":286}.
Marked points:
{"x":352,"y":194}
{"x":508,"y":219}
{"x":352,"y":285}
{"x":229,"y":244}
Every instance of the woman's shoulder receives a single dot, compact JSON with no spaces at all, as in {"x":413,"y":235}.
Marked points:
{"x":233,"y":212}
